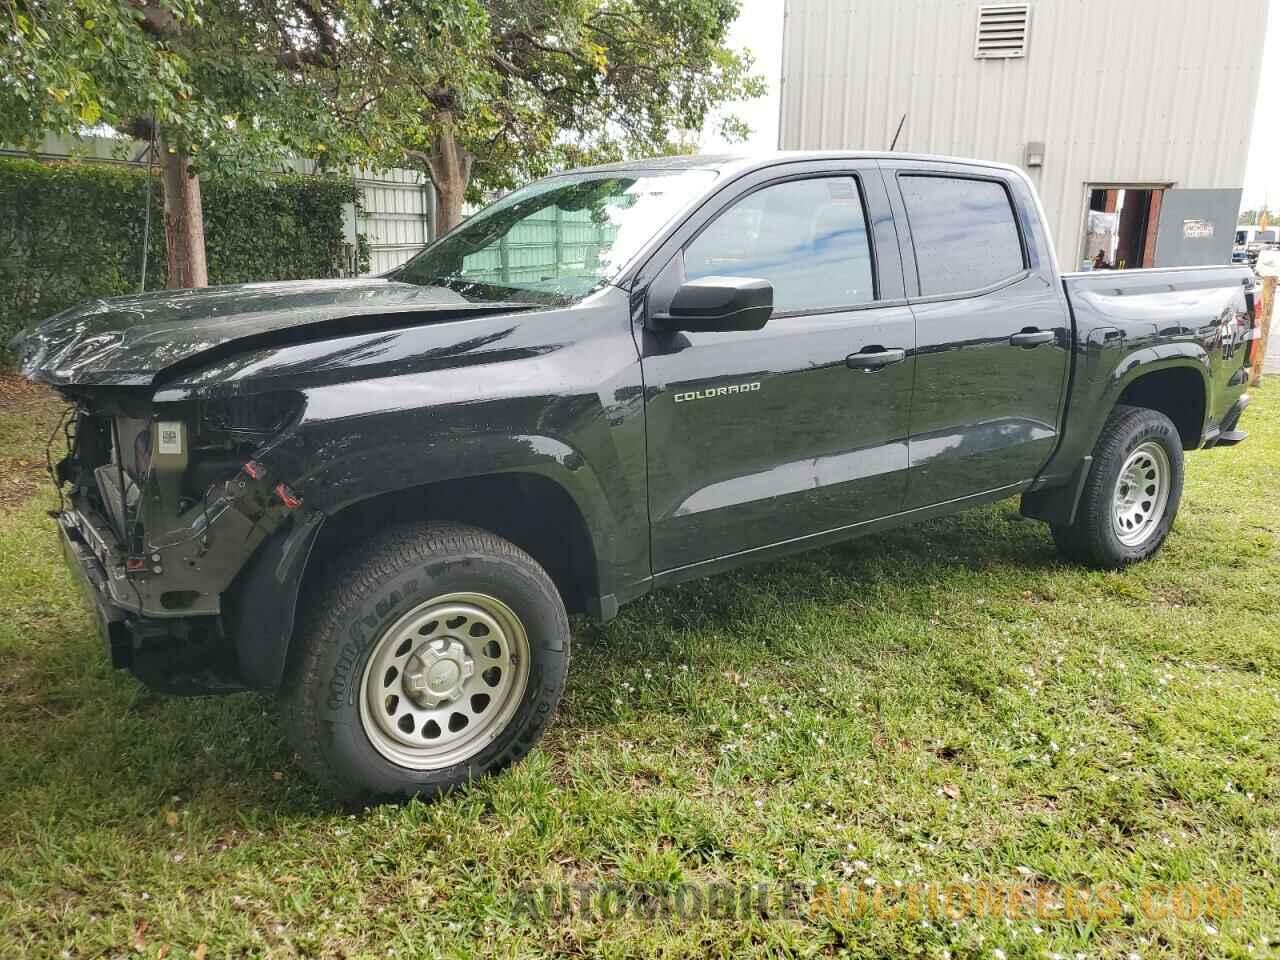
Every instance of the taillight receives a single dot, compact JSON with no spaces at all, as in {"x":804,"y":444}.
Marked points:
{"x":1255,"y":337}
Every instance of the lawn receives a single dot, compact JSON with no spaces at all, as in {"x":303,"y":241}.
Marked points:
{"x":948,"y":707}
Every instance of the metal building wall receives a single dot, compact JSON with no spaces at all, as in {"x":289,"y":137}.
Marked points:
{"x":397,"y":215}
{"x":540,"y":246}
{"x":1141,"y":92}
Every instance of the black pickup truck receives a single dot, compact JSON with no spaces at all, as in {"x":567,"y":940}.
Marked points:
{"x":379,"y":497}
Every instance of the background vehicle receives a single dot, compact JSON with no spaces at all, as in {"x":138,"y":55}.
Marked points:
{"x":381,"y":496}
{"x":1251,"y":240}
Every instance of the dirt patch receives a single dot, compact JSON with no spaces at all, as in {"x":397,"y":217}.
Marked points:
{"x":28,"y":415}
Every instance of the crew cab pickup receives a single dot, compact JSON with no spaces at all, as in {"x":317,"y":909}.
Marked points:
{"x":380,"y":497}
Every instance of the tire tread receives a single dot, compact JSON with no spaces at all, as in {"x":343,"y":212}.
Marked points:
{"x":1085,"y":540}
{"x":344,"y":586}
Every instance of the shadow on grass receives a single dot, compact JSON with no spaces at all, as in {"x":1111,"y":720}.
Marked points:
{"x":896,"y":564}
{"x":76,"y":727}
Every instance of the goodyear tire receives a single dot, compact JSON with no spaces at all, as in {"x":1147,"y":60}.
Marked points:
{"x":1132,"y":492}
{"x":437,"y":656}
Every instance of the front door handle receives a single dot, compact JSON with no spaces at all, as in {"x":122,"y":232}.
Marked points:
{"x":1032,"y":337}
{"x":873,"y":358}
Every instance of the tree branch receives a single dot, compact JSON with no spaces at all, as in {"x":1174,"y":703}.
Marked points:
{"x":156,"y":21}
{"x":296,"y":59}
{"x":324,"y":29}
{"x":140,"y":128}
{"x":323,"y":54}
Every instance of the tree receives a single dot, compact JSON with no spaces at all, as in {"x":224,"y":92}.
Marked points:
{"x":479,"y":93}
{"x":503,"y":90}
{"x":553,"y":83}
{"x":208,"y":83}
{"x":1251,"y":216}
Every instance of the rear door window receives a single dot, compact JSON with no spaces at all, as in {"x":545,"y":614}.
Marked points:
{"x":806,"y":237}
{"x":964,"y":232}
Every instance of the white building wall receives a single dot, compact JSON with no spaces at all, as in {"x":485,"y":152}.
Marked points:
{"x":1156,"y":92}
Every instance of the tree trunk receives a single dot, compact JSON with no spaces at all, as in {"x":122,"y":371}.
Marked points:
{"x":450,"y":166}
{"x":450,"y":195}
{"x":183,"y":222}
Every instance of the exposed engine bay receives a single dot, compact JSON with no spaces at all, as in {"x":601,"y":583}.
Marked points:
{"x":172,"y":503}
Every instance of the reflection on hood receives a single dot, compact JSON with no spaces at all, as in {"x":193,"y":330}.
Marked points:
{"x":127,"y":341}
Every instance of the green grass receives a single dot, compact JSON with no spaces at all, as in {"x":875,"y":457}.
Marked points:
{"x":948,"y":704}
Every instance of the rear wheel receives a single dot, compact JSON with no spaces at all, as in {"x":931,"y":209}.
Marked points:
{"x":436,"y":657}
{"x":1132,"y":493}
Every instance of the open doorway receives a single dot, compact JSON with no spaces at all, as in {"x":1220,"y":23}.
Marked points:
{"x":1120,"y":227}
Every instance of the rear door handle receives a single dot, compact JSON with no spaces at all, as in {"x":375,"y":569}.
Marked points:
{"x":873,"y":358}
{"x":1032,"y":337}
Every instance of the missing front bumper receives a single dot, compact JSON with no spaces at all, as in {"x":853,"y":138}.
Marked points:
{"x":90,"y":576}
{"x":176,"y":655}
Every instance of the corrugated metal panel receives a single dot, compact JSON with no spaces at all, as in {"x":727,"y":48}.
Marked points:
{"x":397,"y":215}
{"x":540,"y":246}
{"x":1142,"y":92}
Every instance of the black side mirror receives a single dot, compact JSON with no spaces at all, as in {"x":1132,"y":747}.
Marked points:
{"x":717,"y":304}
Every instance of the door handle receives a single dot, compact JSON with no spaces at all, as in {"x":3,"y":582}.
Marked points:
{"x":1031,"y":337}
{"x":873,"y":358}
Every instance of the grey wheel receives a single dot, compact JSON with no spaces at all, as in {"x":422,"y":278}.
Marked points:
{"x":443,"y":680}
{"x":435,"y":656}
{"x":1131,"y":495}
{"x":1141,"y":493}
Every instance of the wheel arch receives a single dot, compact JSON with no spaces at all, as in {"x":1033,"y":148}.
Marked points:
{"x":531,"y":509}
{"x":1172,"y":379}
{"x":537,"y":508}
{"x":1176,"y":386}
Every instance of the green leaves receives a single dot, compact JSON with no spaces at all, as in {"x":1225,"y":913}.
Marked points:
{"x":580,"y":79}
{"x":505,"y":90}
{"x":358,"y":81}
{"x":70,"y":232}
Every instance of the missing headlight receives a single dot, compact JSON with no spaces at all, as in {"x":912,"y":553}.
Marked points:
{"x":254,"y":419}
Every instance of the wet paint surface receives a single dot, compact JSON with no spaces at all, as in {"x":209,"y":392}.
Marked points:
{"x":405,"y":386}
{"x":128,"y":341}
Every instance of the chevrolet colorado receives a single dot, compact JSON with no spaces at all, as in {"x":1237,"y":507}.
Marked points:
{"x":379,"y":497}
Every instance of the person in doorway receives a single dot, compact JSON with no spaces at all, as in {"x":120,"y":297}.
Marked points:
{"x":1100,"y":261}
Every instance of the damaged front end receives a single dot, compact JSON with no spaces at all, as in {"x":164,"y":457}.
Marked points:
{"x":183,"y":522}
{"x":165,"y":506}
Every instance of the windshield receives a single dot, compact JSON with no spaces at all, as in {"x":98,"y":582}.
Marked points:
{"x":556,"y":240}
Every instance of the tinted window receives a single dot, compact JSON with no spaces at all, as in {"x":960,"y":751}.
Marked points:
{"x":806,"y":237}
{"x":964,"y":233}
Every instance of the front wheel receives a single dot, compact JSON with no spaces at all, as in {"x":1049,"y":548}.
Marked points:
{"x":437,"y":656}
{"x":1132,"y":493}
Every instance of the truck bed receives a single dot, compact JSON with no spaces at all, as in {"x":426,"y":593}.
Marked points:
{"x":1128,"y":317}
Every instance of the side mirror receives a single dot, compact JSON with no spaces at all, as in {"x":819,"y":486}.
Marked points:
{"x":717,"y":304}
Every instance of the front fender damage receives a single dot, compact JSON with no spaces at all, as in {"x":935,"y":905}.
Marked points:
{"x":197,"y":530}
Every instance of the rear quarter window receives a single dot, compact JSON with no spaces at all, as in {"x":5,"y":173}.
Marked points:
{"x":964,"y":232}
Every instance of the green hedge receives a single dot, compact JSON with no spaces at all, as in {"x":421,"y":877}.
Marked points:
{"x":73,"y":231}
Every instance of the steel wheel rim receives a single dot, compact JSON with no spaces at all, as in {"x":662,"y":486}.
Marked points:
{"x":444,"y":680}
{"x":1141,"y":493}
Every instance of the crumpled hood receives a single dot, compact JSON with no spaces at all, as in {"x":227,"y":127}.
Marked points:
{"x":129,"y":341}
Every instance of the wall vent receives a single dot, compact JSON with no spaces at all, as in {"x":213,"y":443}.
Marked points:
{"x":1002,"y":31}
